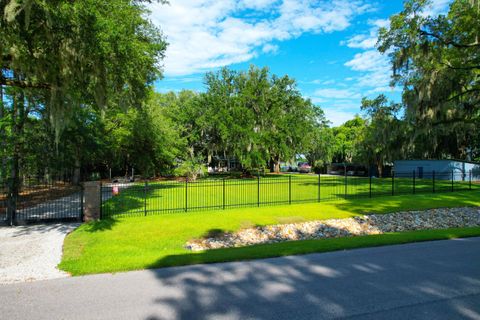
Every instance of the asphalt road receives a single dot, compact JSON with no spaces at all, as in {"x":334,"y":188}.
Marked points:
{"x":431,"y":280}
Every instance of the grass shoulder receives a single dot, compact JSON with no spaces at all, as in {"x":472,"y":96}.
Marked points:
{"x":313,"y":246}
{"x":124,"y":244}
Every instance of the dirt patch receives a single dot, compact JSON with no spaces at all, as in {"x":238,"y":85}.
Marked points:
{"x":32,"y":196}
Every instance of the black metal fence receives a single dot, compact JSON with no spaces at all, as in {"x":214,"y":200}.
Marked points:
{"x":42,"y":200}
{"x":141,"y":199}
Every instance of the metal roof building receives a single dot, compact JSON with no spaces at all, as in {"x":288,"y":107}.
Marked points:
{"x":443,"y":169}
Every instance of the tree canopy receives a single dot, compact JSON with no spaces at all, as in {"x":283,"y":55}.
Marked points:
{"x":63,"y":62}
{"x":76,"y":94}
{"x":258,"y":118}
{"x":437,"y":61}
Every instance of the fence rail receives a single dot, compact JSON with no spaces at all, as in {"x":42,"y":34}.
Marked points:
{"x":142,"y":199}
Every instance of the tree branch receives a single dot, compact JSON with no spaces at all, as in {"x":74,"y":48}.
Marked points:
{"x":449,"y":42}
{"x":456,"y":120}
{"x":448,"y":65}
{"x":23,"y":83}
{"x":463,"y":93}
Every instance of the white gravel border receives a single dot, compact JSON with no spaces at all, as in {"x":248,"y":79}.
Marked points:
{"x":439,"y":218}
{"x":30,"y":253}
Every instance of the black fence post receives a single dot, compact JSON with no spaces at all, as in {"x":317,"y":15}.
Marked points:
{"x":81,"y":202}
{"x":470,"y":181}
{"x":186,"y":194}
{"x":393,"y":183}
{"x":289,"y":189}
{"x":413,"y":180}
{"x":223,"y":193}
{"x":12,"y":193}
{"x":433,"y":180}
{"x":318,"y":191}
{"x":258,"y":190}
{"x":452,"y":180}
{"x":101,"y":202}
{"x":370,"y":184}
{"x":346,"y":186}
{"x":145,"y":199}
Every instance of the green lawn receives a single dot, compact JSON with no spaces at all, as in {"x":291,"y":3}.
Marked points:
{"x":171,"y":196}
{"x":121,"y":244}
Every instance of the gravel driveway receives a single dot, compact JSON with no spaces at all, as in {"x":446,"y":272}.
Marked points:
{"x":29,"y":253}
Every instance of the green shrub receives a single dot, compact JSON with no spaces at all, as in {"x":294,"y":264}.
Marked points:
{"x":191,"y":169}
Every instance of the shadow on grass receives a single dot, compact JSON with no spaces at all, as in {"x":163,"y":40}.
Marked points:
{"x":131,"y":200}
{"x":311,"y":246}
{"x":122,"y":203}
{"x":24,"y":230}
{"x":101,"y":225}
{"x":320,"y":286}
{"x":405,"y":202}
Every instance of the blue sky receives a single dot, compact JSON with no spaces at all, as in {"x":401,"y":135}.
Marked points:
{"x":327,"y":46}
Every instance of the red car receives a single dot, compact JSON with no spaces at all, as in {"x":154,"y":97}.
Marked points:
{"x":304,"y":167}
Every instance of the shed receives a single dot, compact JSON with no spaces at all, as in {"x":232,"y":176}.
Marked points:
{"x":442,"y":169}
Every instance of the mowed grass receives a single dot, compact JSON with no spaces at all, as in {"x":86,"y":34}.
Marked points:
{"x":174,"y":196}
{"x":132,"y":243}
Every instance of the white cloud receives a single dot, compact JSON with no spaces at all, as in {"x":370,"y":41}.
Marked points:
{"x":367,"y":40}
{"x":270,"y":48}
{"x":370,"y":60}
{"x":362,"y":41}
{"x":338,"y":116}
{"x":382,"y":90}
{"x":437,"y":7}
{"x":319,"y":81}
{"x":375,"y":68}
{"x":380,"y":23}
{"x":205,"y":34}
{"x":338,"y":111}
{"x":256,"y":4}
{"x":183,"y":79}
{"x":336,"y":93}
{"x":318,"y":100}
{"x":375,"y":79}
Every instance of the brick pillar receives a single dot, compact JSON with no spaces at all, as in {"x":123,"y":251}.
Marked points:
{"x":91,"y":192}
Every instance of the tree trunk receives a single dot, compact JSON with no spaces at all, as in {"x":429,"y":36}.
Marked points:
{"x":76,"y":171}
{"x":274,"y":164}
{"x":18,"y":120}
{"x":277,"y":167}
{"x":3,"y":138}
{"x":380,"y":169}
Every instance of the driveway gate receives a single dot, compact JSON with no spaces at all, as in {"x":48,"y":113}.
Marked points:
{"x":46,"y":202}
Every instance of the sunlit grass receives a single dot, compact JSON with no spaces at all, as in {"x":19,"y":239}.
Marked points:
{"x":121,"y":244}
{"x":171,"y":196}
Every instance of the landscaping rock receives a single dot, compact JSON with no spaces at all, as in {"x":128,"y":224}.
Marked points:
{"x":442,"y":218}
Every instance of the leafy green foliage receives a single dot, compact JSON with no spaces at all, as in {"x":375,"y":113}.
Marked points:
{"x":437,"y":61}
{"x":191,"y":169}
{"x":76,"y":96}
{"x":63,"y":63}
{"x":348,"y":140}
{"x":79,"y":52}
{"x":381,"y":141}
{"x":258,"y":118}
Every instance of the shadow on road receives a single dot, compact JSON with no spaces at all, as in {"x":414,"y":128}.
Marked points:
{"x":331,"y":285}
{"x":24,"y":230}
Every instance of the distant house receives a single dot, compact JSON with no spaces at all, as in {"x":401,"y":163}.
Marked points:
{"x":443,"y":169}
{"x":220,"y":164}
